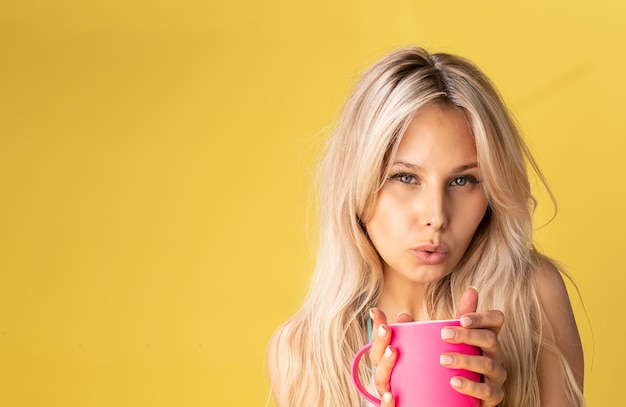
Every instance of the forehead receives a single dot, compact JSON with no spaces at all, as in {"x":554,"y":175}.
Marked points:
{"x":437,"y":134}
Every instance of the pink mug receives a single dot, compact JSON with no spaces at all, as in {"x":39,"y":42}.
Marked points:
{"x":418,"y":378}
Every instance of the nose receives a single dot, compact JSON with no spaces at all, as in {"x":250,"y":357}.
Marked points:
{"x":434,"y":209}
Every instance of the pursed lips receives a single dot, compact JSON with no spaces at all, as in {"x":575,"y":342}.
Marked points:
{"x":430,"y":254}
{"x":431,"y":248}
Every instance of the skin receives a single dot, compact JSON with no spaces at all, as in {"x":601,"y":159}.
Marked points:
{"x":562,"y":330}
{"x":433,"y":196}
{"x":478,"y":329}
{"x":435,"y":207}
{"x":433,"y":201}
{"x":481,"y":329}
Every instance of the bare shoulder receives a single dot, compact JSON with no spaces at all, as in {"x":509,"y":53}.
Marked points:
{"x":559,"y":327}
{"x":277,"y":358}
{"x":551,"y":286}
{"x":555,"y":301}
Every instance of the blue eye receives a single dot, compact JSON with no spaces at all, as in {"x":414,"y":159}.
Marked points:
{"x":464,"y":180}
{"x":405,"y":178}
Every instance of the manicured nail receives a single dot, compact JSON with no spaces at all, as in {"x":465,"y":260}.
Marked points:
{"x":447,"y":333}
{"x":473,"y":288}
{"x":446,"y":360}
{"x":382,"y":331}
{"x":387,"y":397}
{"x":388,"y":353}
{"x":466,"y":321}
{"x":371,"y":313}
{"x":456,"y":382}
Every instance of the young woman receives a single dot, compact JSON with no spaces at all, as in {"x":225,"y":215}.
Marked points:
{"x":426,"y":213}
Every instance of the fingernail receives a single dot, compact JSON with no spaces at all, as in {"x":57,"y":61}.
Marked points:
{"x":447,"y":333}
{"x":382,"y":331}
{"x":456,"y":382}
{"x":474,"y":288}
{"x":466,"y":321}
{"x":446,"y":360}
{"x":388,"y":353}
{"x":387,"y":397}
{"x":371,"y":313}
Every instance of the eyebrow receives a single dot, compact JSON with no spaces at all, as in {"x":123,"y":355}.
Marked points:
{"x":416,"y":167}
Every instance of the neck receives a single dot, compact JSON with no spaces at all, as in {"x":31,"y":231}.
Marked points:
{"x":402,"y":296}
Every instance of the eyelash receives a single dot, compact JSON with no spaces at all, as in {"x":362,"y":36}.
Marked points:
{"x":468,"y":179}
{"x":401,"y":175}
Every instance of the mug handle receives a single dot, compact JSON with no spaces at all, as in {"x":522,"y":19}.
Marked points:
{"x":355,"y":376}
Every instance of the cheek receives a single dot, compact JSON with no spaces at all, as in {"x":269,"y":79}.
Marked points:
{"x":387,"y":221}
{"x":473,"y":214}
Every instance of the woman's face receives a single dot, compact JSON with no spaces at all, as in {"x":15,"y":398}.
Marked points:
{"x":432,"y":202}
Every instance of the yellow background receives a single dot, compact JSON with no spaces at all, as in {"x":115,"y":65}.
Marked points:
{"x":155,"y":165}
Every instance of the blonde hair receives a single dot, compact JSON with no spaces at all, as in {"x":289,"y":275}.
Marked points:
{"x":326,"y":332}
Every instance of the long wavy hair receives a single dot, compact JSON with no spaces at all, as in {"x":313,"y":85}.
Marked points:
{"x":323,"y":336}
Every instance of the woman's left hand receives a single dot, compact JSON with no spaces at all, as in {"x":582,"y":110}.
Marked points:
{"x":479,"y":329}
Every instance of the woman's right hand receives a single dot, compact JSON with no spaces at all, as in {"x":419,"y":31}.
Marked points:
{"x":382,"y":356}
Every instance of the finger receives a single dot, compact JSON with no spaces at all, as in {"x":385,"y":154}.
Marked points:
{"x":387,"y":400}
{"x":490,"y":368}
{"x":404,"y":317}
{"x":378,"y":317}
{"x":382,"y":375}
{"x":381,"y":336}
{"x":468,"y":302}
{"x":490,"y":395}
{"x":493,"y":320}
{"x":485,"y":339}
